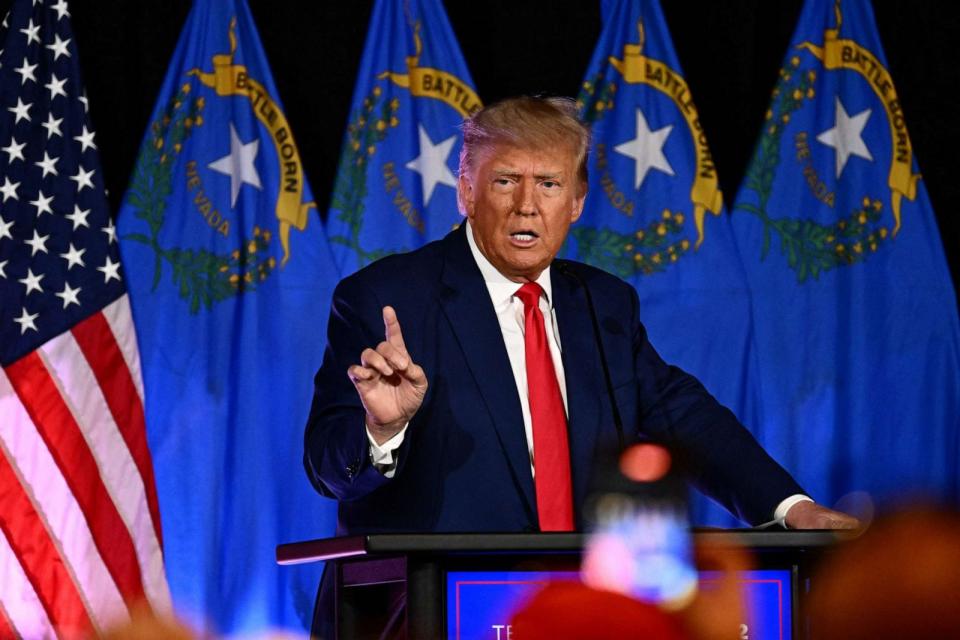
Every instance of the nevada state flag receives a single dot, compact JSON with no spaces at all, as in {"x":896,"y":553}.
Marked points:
{"x":654,"y":212}
{"x":230,"y":277}
{"x":855,"y":315}
{"x":396,"y":184}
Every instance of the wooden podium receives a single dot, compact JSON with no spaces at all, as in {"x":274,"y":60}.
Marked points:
{"x":373,"y":573}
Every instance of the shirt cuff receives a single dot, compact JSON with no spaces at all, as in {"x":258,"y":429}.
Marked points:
{"x":780,"y":515}
{"x":381,"y":455}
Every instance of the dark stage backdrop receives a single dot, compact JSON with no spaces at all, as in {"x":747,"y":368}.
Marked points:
{"x":730,"y":52}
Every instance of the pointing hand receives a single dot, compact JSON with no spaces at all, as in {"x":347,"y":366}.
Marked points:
{"x":390,"y":385}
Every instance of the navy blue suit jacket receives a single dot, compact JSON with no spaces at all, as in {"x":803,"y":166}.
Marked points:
{"x":463,"y":465}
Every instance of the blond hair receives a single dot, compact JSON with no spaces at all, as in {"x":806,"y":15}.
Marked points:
{"x":525,"y":122}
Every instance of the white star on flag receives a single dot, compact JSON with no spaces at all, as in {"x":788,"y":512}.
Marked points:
{"x":61,"y":9}
{"x":37,"y":243}
{"x":26,"y":72}
{"x":110,"y":270}
{"x":238,"y":164}
{"x":59,"y":47}
{"x":111,"y":232}
{"x":22,"y":111}
{"x":14,"y":150}
{"x":431,"y":164}
{"x":5,"y":229}
{"x":68,"y":295}
{"x":846,"y":136}
{"x":74,"y":257}
{"x":26,"y":321}
{"x":48,"y":164}
{"x":9,"y":189}
{"x":646,"y":150}
{"x":78,"y":217}
{"x":55,"y":86}
{"x":32,"y":282}
{"x":32,"y":31}
{"x":83,"y":178}
{"x":42,"y":203}
{"x":85,"y":139}
{"x":52,"y":125}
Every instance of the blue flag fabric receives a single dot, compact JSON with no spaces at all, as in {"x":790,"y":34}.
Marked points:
{"x":230,"y":277}
{"x":654,"y":211}
{"x":396,"y":184}
{"x":856,"y":321}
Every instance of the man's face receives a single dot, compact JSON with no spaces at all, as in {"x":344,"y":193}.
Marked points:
{"x":521,"y":203}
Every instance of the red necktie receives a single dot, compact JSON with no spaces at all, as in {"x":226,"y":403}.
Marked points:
{"x":551,"y":451}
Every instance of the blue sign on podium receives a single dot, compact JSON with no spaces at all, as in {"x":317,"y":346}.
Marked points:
{"x":481,"y":603}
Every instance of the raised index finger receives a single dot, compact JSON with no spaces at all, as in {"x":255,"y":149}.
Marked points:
{"x":391,"y":328}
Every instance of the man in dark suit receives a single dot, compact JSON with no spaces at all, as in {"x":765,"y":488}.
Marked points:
{"x":486,"y":410}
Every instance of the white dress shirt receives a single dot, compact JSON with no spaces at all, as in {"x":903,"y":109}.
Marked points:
{"x":509,"y":310}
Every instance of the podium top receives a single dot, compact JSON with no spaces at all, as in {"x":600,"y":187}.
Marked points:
{"x":442,"y":543}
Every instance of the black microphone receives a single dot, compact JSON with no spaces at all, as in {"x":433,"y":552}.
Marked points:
{"x":565,"y":268}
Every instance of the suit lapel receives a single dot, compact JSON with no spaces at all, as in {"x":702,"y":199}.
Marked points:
{"x":583,"y":378}
{"x":466,"y":303}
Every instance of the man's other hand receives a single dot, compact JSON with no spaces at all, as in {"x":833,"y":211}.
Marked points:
{"x":390,"y":385}
{"x":810,"y":515}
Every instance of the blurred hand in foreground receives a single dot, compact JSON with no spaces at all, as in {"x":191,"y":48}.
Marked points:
{"x":718,"y":610}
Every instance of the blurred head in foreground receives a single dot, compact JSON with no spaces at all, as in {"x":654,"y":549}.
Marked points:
{"x":574,"y":611}
{"x":901,"y":579}
{"x":145,"y":625}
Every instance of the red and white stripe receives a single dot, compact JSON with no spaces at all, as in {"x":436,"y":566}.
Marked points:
{"x":79,"y":517}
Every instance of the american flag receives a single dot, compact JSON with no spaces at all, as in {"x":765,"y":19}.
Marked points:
{"x":80,"y":541}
